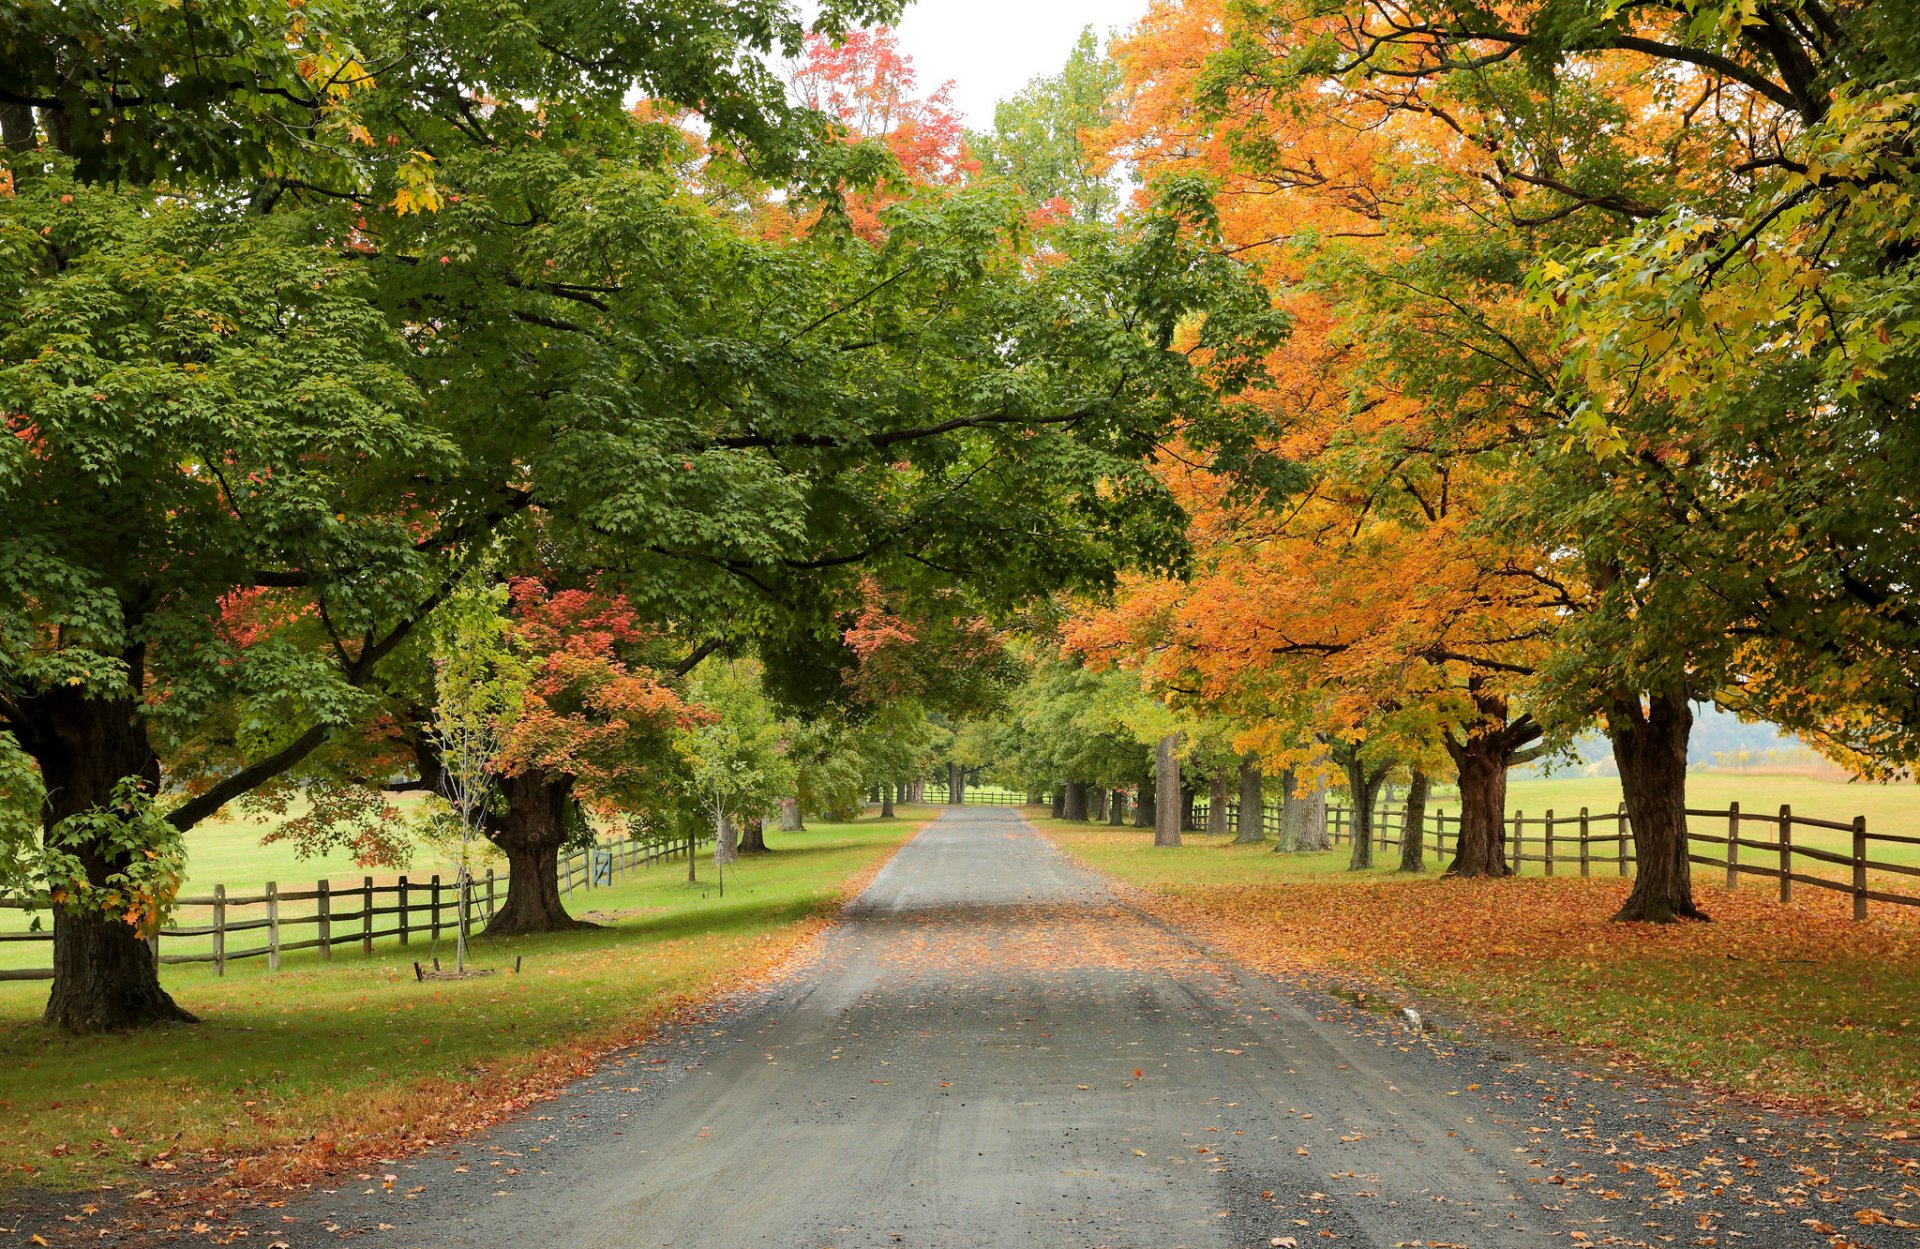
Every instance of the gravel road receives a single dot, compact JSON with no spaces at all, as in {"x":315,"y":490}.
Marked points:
{"x":994,"y":1050}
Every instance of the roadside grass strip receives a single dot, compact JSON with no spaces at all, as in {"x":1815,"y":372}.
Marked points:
{"x":325,"y":1062}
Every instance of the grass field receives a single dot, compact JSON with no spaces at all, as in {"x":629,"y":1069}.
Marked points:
{"x":354,"y":1057}
{"x":1791,"y":1002}
{"x":229,"y":851}
{"x":1891,"y":809}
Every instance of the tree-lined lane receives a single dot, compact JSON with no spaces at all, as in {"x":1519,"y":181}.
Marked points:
{"x":993,"y":1050}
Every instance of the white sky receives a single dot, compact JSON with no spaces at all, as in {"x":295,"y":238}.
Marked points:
{"x":990,"y":48}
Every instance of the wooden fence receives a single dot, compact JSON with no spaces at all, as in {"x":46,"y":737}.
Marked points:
{"x":975,"y":795}
{"x":404,"y":910}
{"x":1566,"y":844}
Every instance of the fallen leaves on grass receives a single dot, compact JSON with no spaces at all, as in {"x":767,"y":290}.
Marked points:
{"x":1793,"y":1004}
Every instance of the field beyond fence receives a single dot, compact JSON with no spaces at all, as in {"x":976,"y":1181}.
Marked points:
{"x":1789,"y":849}
{"x":228,"y":926}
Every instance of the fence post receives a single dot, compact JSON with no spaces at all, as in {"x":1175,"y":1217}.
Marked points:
{"x":489,"y":895}
{"x":325,"y":904}
{"x":1620,"y":829}
{"x":1549,"y":841}
{"x":1586,"y":868}
{"x":402,"y":895}
{"x":1440,"y":831}
{"x":1859,"y":867}
{"x":219,"y":930}
{"x":436,"y":906}
{"x":366,"y":915}
{"x":1519,"y":843}
{"x":1733,"y":846}
{"x":273,"y":926}
{"x":1786,"y":852}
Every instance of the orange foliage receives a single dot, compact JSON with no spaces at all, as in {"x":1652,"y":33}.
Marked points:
{"x":867,"y":84}
{"x":587,"y":712}
{"x":1371,"y":602}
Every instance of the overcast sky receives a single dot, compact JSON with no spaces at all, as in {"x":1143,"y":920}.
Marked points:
{"x":990,"y":48}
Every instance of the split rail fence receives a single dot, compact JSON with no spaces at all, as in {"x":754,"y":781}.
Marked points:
{"x":325,"y":915}
{"x":1776,"y":842}
{"x":977,"y":796}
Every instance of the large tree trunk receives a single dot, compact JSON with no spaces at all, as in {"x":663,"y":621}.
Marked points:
{"x":1059,"y":808}
{"x":1146,"y":811}
{"x":530,"y":834}
{"x":1096,"y":803}
{"x":1073,"y":804}
{"x":1482,"y":761}
{"x":1650,"y":747}
{"x":956,"y":784}
{"x":753,"y":835}
{"x":1117,"y":807}
{"x":1413,"y":825}
{"x":1251,"y":826}
{"x":1166,"y":788}
{"x":791,"y":820}
{"x":886,"y":801}
{"x":1303,"y":817}
{"x":104,"y":976}
{"x":1363,"y":789}
{"x":1217,"y":807}
{"x":1188,"y":795}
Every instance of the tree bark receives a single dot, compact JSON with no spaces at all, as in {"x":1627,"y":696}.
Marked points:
{"x":1188,"y":797}
{"x":1482,"y":763}
{"x":1146,"y":811}
{"x":1217,"y":806}
{"x":1413,"y":825}
{"x":1073,"y":801}
{"x":104,"y":975}
{"x":791,"y":820}
{"x":1117,"y":807}
{"x":1251,"y":826}
{"x":1650,"y":747}
{"x":1096,"y":803}
{"x":530,"y":834}
{"x":956,"y":785}
{"x":1303,"y":818}
{"x":1363,"y":786}
{"x":1166,"y":787}
{"x":886,"y":801}
{"x":753,"y":836}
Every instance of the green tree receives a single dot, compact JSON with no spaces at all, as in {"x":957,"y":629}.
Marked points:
{"x":735,"y":762}
{"x":1041,"y":138}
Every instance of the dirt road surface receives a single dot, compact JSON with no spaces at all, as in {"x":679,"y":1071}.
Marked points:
{"x":994,"y":1050}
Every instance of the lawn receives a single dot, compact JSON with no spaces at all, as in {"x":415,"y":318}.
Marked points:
{"x":1797,"y":1003}
{"x":353,"y":1057}
{"x":1890,"y":809}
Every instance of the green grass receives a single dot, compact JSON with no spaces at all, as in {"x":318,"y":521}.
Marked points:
{"x":353,"y":1055}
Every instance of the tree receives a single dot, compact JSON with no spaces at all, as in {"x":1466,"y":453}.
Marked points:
{"x":735,"y":767}
{"x":1043,"y":138}
{"x":479,"y":687}
{"x":338,"y":379}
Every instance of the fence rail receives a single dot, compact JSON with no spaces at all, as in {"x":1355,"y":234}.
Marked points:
{"x":402,"y":911}
{"x":978,"y":796}
{"x":1578,"y":843}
